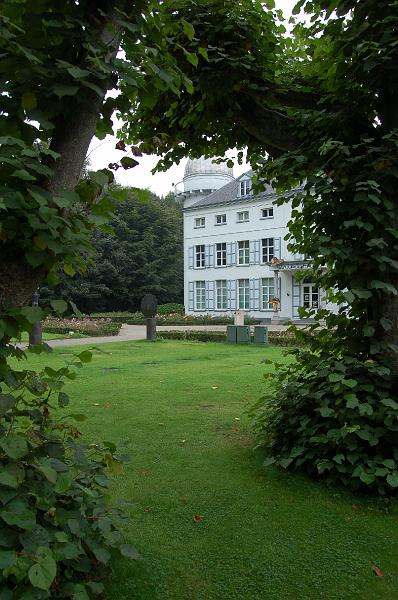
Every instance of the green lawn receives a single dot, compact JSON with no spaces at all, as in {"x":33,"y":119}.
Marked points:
{"x":53,"y":336}
{"x":179,"y":410}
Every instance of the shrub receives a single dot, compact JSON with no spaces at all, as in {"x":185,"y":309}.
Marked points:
{"x":334,"y":416}
{"x":276,"y":338}
{"x":56,"y":528}
{"x":171,"y":307}
{"x":84,"y":326}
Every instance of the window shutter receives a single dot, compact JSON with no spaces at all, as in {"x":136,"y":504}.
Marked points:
{"x":231,"y":253}
{"x":277,"y":247}
{"x":191,"y":304}
{"x":211,"y":255}
{"x":256,"y":294}
{"x":252,"y":252}
{"x":210,"y":295}
{"x":257,"y":252}
{"x":231,"y":294}
{"x":295,"y":297}
{"x":190,"y":257}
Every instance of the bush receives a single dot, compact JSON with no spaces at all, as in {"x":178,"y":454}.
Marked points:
{"x":85,"y":326}
{"x":334,"y":416}
{"x":170,"y":308}
{"x":276,"y":338}
{"x":56,"y":528}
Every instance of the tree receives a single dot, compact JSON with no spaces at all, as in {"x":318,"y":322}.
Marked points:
{"x":144,"y":254}
{"x":322,"y":107}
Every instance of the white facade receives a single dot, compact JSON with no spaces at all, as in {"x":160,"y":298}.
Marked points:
{"x":236,"y":258}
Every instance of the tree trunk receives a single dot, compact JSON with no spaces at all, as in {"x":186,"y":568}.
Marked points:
{"x":71,"y":139}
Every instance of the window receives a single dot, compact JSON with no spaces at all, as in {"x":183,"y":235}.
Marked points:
{"x":267,"y":292}
{"x":200,"y":288}
{"x":200,"y":256}
{"x":267,"y":213}
{"x":200,"y":222}
{"x":245,"y":187}
{"x":221,"y":254}
{"x":221,"y":294}
{"x":221,"y":219}
{"x":242,"y":216}
{"x":243,"y":253}
{"x":243,"y":294}
{"x":310,"y":295}
{"x":268,"y":249}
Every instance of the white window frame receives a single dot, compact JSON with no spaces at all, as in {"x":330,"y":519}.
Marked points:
{"x":221,"y":254}
{"x":200,"y":222}
{"x":200,"y":295}
{"x":267,"y":292}
{"x":244,"y":252}
{"x":221,"y":294}
{"x":245,"y":187}
{"x":244,"y":294}
{"x":267,"y":213}
{"x":310,"y":298}
{"x":221,"y":219}
{"x":242,"y":216}
{"x":200,"y":256}
{"x":267,"y":249}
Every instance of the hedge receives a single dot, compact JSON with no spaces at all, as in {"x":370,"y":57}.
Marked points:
{"x":275,"y":338}
{"x":138,"y":318}
{"x":89,"y":327}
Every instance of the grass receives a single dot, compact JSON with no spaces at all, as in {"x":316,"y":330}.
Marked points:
{"x":178,"y":408}
{"x":53,"y":336}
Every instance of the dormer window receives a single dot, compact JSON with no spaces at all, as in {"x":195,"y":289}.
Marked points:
{"x":245,"y":187}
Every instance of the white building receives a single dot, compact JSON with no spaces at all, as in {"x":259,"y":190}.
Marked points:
{"x":235,"y":255}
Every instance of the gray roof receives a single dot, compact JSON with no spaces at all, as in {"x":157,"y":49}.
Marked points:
{"x":229,"y":194}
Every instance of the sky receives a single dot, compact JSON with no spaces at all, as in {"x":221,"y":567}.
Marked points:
{"x":103,"y":152}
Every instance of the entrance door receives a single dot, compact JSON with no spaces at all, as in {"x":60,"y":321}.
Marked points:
{"x":310,"y":295}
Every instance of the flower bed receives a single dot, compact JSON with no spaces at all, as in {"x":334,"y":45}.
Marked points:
{"x":138,"y":318}
{"x":86,"y":326}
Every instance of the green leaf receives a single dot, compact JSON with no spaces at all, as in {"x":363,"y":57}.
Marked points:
{"x":367,"y":478}
{"x":128,"y":163}
{"x":78,"y":417}
{"x":28,"y":101}
{"x":17,"y":513}
{"x":60,"y":306}
{"x":351,"y":383}
{"x":102,"y":555}
{"x":7,"y":402}
{"x":61,"y":537}
{"x":14,"y":446}
{"x":192,"y":58}
{"x":42,"y":574}
{"x":85,"y":356}
{"x":23,"y":174}
{"x":76,"y":310}
{"x":63,"y":399}
{"x":390,"y":403}
{"x":129,"y":552}
{"x":352,"y":400}
{"x":33,"y":314}
{"x":392,"y":479}
{"x":203,"y":52}
{"x":69,"y":270}
{"x":8,"y":558}
{"x":49,"y":473}
{"x":61,"y":89}
{"x":335,"y":377}
{"x":189,"y":29}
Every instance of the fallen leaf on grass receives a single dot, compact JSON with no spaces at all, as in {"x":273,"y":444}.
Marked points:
{"x":96,"y":403}
{"x":183,"y":441}
{"x":237,"y":418}
{"x":214,"y":387}
{"x":377,"y":572}
{"x":160,"y":423}
{"x":198,"y":518}
{"x":107,"y":405}
{"x":234,"y":429}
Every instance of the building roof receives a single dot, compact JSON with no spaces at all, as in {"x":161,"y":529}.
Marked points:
{"x":229,"y":194}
